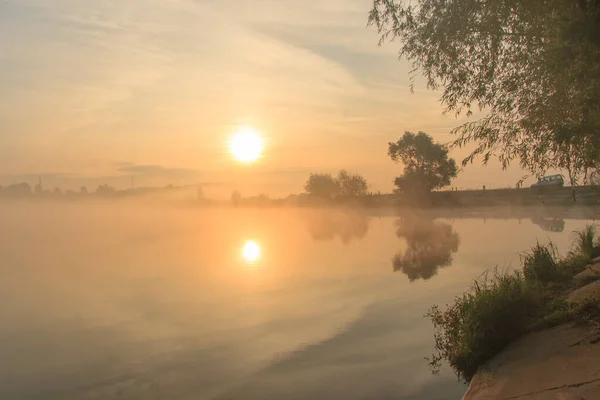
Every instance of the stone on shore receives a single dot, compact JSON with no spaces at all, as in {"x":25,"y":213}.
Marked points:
{"x":592,"y":270}
{"x":542,"y":365}
{"x":589,"y":290}
{"x":558,"y":363}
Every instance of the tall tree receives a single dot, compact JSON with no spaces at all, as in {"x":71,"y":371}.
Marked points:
{"x":426,"y":164}
{"x":322,"y":185}
{"x":352,"y":184}
{"x":18,"y":190}
{"x":105,"y":190}
{"x":236,"y":197}
{"x":533,"y":67}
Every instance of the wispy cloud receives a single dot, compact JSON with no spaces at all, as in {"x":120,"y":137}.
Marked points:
{"x":164,"y":80}
{"x":159,"y":171}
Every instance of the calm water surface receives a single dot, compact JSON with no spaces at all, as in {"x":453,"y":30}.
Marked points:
{"x":129,"y":302}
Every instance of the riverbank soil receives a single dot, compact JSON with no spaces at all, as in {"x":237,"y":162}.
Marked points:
{"x":558,"y":363}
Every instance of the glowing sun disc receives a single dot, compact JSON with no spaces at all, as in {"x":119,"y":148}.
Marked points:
{"x":246,"y":145}
{"x":251,"y":251}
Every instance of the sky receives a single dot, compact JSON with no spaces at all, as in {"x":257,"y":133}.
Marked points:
{"x":98,"y":91}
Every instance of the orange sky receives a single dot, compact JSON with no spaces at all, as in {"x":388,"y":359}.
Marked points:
{"x":99,"y":91}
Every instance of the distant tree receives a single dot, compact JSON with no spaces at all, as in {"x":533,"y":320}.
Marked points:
{"x":426,"y":164}
{"x":351,"y":184}
{"x":263,"y":200}
{"x":235,"y":198}
{"x":322,"y":185}
{"x":83,"y":190}
{"x":57,"y":191}
{"x":105,"y":190}
{"x":18,"y":190}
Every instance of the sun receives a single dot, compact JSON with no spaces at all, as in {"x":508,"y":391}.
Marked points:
{"x":246,"y":144}
{"x":251,"y":251}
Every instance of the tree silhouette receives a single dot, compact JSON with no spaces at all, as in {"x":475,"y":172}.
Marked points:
{"x":322,"y":185}
{"x":532,"y":65}
{"x":426,"y":164}
{"x":105,"y":190}
{"x":351,"y":184}
{"x":429,"y":246}
{"x":22,"y":189}
{"x":235,"y":198}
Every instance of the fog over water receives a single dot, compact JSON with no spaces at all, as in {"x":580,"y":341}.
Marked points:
{"x":125,"y":301}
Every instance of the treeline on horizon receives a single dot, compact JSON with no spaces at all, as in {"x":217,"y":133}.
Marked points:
{"x":23,"y":190}
{"x":427,"y":168}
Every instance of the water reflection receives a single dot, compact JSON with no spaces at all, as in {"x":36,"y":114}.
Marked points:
{"x":429,"y":246}
{"x":190,"y":316}
{"x":347,"y":225}
{"x":555,"y":224}
{"x":251,"y":252}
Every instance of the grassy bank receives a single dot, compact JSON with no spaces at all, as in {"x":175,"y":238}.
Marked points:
{"x":503,"y":306}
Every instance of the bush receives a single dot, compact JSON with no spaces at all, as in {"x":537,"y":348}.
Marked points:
{"x":588,"y":309}
{"x":585,"y":247}
{"x":559,"y":311}
{"x":573,"y":264}
{"x":586,"y":242}
{"x":555,"y":311}
{"x":483,"y":321}
{"x":498,"y":310}
{"x":540,"y":264}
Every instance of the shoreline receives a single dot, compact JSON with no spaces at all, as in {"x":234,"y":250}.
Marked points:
{"x":532,"y":333}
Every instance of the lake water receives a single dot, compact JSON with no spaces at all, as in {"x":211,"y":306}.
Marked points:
{"x":130,"y":302}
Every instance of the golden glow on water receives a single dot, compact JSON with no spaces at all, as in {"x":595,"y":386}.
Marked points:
{"x":246,"y":144}
{"x":251,"y":252}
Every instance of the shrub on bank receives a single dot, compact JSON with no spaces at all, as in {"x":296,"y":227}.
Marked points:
{"x":540,"y":264}
{"x":483,"y":321}
{"x":586,"y":243}
{"x":503,"y":307}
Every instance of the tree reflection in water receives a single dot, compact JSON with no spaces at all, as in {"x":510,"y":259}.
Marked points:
{"x":429,"y":246}
{"x":345,"y":225}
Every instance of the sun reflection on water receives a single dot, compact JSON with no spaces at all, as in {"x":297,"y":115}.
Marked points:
{"x":251,"y":252}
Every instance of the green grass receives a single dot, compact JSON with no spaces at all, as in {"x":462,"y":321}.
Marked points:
{"x":585,"y":246}
{"x":587,"y":310}
{"x":586,"y":281}
{"x":559,"y":311}
{"x":483,"y":321}
{"x":540,"y":264}
{"x":506,"y":305}
{"x":586,"y":242}
{"x":555,"y":311}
